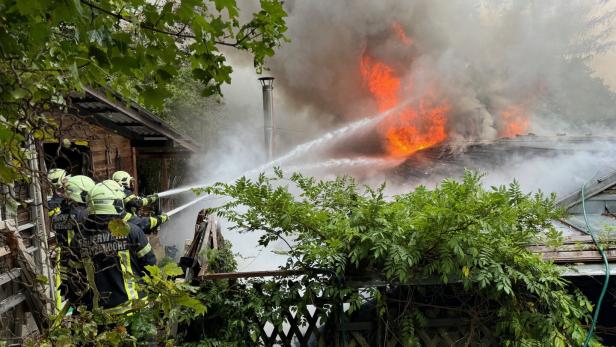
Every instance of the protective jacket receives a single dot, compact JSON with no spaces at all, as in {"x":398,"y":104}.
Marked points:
{"x":133,"y":202}
{"x":54,"y":204}
{"x":109,"y":266}
{"x":65,"y":224}
{"x":147,"y":224}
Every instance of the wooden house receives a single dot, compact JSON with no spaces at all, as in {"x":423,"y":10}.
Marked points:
{"x":103,"y":133}
{"x":99,"y":134}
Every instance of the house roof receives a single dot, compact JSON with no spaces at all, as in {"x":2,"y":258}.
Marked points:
{"x":601,"y":186}
{"x":131,"y":120}
{"x":578,"y":254}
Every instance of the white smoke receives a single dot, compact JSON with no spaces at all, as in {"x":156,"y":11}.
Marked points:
{"x":485,"y":56}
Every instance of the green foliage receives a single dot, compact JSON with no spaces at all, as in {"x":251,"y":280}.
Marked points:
{"x":166,"y":304}
{"x":455,"y":233}
{"x":457,"y":248}
{"x":187,"y":110}
{"x":133,"y":47}
{"x":220,"y":260}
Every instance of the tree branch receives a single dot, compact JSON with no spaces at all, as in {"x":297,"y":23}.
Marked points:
{"x":179,"y":34}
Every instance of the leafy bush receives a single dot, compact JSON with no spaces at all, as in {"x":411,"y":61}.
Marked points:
{"x":457,"y":232}
{"x":456,"y":248}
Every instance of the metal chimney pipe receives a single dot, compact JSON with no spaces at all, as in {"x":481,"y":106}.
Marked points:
{"x":267,"y":83}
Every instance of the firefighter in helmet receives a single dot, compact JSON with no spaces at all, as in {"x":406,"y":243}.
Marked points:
{"x":132,"y":202}
{"x":147,"y":224}
{"x":114,"y":254}
{"x":70,"y":219}
{"x":56,"y":178}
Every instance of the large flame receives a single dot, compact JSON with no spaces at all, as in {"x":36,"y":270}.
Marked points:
{"x":414,"y":127}
{"x":515,"y":121}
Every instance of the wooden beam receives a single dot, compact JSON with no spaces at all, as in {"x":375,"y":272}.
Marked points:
{"x":164,"y":184}
{"x":578,"y":256}
{"x":135,"y":173}
{"x":9,"y":276}
{"x":4,"y":251}
{"x":11,"y":302}
{"x":248,"y":274}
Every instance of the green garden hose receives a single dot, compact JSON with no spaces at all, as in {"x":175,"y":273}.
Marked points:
{"x":607,"y":270}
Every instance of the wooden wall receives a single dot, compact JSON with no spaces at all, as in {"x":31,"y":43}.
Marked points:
{"x":109,"y":152}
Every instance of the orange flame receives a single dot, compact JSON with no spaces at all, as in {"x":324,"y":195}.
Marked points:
{"x":399,"y":31}
{"x":414,"y":127}
{"x":515,"y":121}
{"x":381,"y":82}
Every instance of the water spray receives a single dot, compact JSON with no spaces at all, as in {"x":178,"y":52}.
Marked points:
{"x":332,"y":136}
{"x":345,"y":163}
{"x":177,"y":191}
{"x":186,"y":205}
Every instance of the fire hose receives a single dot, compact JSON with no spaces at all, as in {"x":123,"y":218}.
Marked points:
{"x":607,"y":270}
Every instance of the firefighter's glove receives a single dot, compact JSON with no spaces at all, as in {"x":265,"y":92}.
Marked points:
{"x":152,"y":198}
{"x":163,"y":218}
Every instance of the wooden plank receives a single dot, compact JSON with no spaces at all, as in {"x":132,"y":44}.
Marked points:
{"x":35,"y":294}
{"x":134,"y":169}
{"x":248,"y":274}
{"x":11,"y":302}
{"x":9,"y":276}
{"x":25,"y":226}
{"x":214,"y":223}
{"x":567,"y":248}
{"x":578,"y":256}
{"x":587,"y":238}
{"x":4,"y":251}
{"x":205,"y":243}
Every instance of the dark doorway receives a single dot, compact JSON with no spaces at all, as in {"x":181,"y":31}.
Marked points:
{"x":74,"y":158}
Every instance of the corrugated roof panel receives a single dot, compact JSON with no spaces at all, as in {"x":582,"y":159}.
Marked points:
{"x":592,"y":206}
{"x":599,"y":223}
{"x":117,"y":117}
{"x":92,"y":105}
{"x":142,"y":130}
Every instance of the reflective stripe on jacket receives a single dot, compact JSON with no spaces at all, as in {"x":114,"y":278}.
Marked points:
{"x":147,"y":224}
{"x":112,"y":264}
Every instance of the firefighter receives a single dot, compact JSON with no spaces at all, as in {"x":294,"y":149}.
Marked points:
{"x":72,"y":215}
{"x":56,"y":178}
{"x":132,"y":202}
{"x":149,"y":225}
{"x":113,"y":254}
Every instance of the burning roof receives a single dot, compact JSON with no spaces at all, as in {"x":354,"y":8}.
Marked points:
{"x":447,"y":71}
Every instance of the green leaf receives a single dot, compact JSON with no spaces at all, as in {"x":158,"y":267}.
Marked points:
{"x":230,"y":5}
{"x":19,"y":93}
{"x":154,"y":96}
{"x":99,"y":55}
{"x":77,"y":6}
{"x":191,"y":303}
{"x":172,"y":269}
{"x":199,"y":25}
{"x":119,"y":228}
{"x":153,"y":270}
